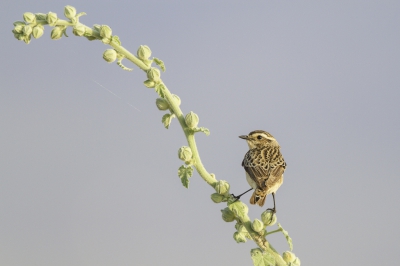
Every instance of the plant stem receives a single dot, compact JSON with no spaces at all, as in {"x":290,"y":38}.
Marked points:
{"x":190,"y":139}
{"x":275,"y":231}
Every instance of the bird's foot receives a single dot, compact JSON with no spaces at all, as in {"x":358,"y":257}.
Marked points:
{"x":236,"y":197}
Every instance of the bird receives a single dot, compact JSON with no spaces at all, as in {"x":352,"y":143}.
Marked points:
{"x":264,"y":166}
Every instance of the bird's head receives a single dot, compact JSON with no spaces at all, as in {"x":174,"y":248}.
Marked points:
{"x":259,"y":139}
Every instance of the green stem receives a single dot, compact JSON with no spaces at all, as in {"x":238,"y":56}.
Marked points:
{"x":261,"y":241}
{"x":129,"y":56}
{"x":275,"y":231}
{"x":189,"y":134}
{"x":190,"y":139}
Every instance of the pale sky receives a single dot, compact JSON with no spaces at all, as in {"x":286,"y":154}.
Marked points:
{"x":89,"y":177}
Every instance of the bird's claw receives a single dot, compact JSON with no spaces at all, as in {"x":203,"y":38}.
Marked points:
{"x":236,"y":197}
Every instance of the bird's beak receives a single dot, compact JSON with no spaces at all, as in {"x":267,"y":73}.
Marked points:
{"x":244,"y":137}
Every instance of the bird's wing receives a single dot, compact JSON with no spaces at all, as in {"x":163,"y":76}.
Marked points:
{"x":257,"y":172}
{"x":264,"y":166}
{"x":277,"y":166}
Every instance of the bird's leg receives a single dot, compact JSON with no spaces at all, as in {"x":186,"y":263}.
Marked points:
{"x":238,"y":197}
{"x":273,"y":209}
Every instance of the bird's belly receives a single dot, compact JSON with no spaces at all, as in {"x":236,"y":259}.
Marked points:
{"x":251,"y":181}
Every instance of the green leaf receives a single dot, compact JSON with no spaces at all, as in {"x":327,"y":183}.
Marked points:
{"x":202,"y":129}
{"x":159,"y":63}
{"x":261,"y":259}
{"x":160,"y":90}
{"x":166,"y":119}
{"x":185,"y":172}
{"x":288,"y":238}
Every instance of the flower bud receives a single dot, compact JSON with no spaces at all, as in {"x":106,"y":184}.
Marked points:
{"x":239,"y":238}
{"x":143,"y":52}
{"x":69,"y":11}
{"x":177,"y":99}
{"x":153,"y":74}
{"x":268,"y":217}
{"x":239,"y":209}
{"x":241,"y":228}
{"x":79,"y":30}
{"x":18,"y":22}
{"x":30,"y":17}
{"x":162,"y":104}
{"x":18,"y":28}
{"x":41,"y":16}
{"x":96,"y":27}
{"x":217,"y":198}
{"x":105,"y":31}
{"x":237,"y":226}
{"x":296,"y":262}
{"x":26,"y":38}
{"x":56,"y":33}
{"x":185,"y":153}
{"x":110,"y":55}
{"x":288,"y":256}
{"x":27,"y":30}
{"x":149,"y":83}
{"x":227,"y":215}
{"x":17,"y":35}
{"x":192,"y":120}
{"x":52,"y":18}
{"x":222,"y":187}
{"x":257,"y":225}
{"x":37,"y":31}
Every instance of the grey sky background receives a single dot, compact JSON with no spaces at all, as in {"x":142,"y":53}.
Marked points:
{"x":87,"y":179}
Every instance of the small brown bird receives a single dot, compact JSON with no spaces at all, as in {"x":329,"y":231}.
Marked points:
{"x":264,"y":166}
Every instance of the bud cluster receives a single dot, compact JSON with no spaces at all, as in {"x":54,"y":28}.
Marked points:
{"x":33,"y":25}
{"x":241,"y":233}
{"x":24,"y":30}
{"x":222,"y":191}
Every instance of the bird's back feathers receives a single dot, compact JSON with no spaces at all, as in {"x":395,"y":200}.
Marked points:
{"x":265,"y":166}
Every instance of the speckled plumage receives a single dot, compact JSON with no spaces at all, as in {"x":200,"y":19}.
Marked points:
{"x":264,"y":165}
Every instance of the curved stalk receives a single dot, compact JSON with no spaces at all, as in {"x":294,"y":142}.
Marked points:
{"x":106,"y":37}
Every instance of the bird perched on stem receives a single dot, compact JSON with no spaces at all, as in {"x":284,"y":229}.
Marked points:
{"x":264,"y":166}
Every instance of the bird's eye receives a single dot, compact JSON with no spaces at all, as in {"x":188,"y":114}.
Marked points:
{"x":259,"y":137}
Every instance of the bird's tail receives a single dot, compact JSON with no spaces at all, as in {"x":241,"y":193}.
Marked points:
{"x":258,"y":197}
